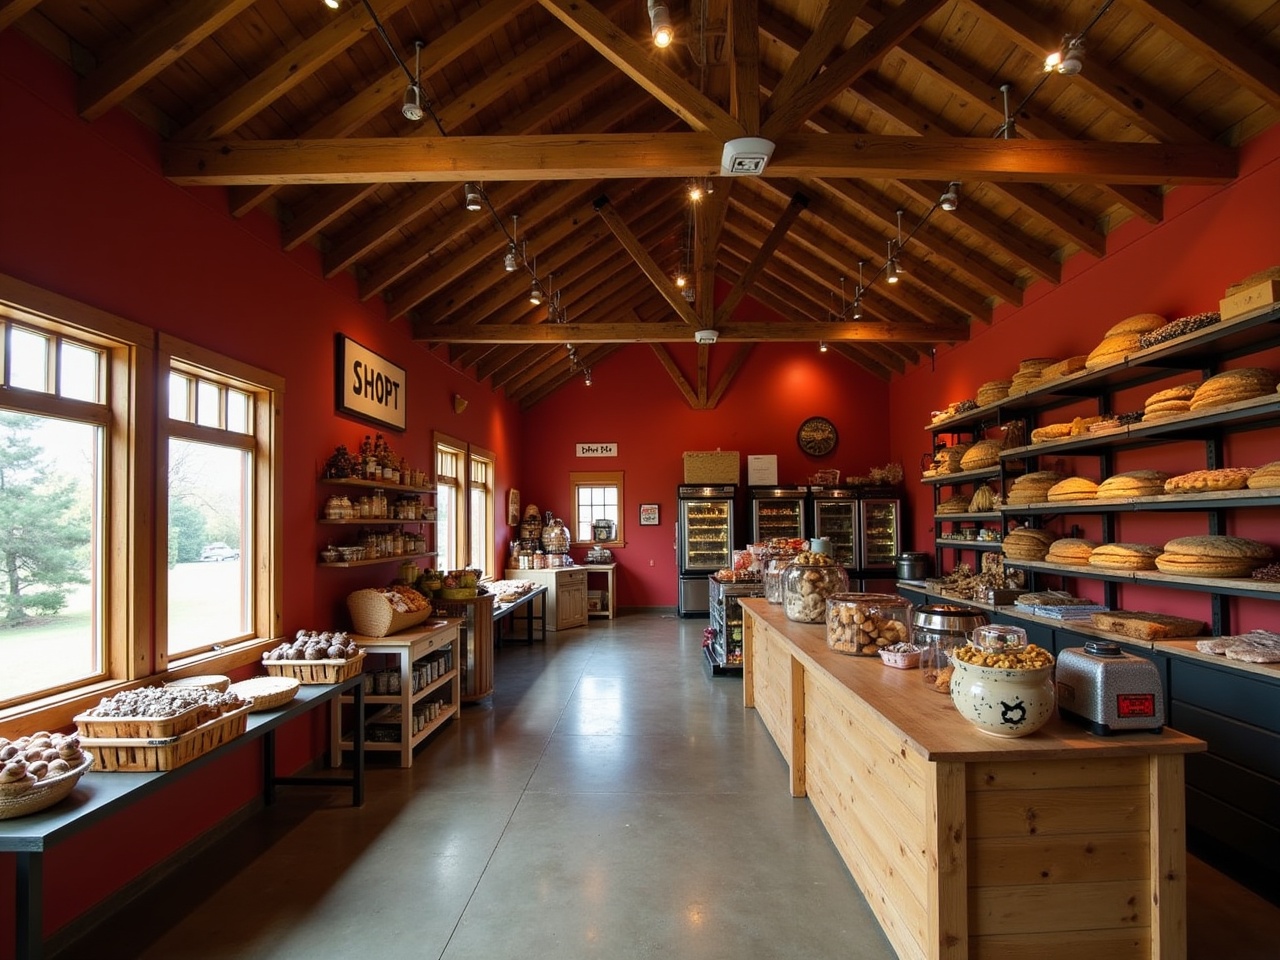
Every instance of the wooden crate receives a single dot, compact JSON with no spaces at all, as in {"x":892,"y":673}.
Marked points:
{"x":138,"y":728}
{"x":317,"y":671}
{"x":166,"y":753}
{"x":712,"y":466}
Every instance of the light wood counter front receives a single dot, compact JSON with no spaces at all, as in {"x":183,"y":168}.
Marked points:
{"x":1059,"y":845}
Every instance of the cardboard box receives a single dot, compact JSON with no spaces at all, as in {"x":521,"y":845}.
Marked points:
{"x":712,"y":466}
{"x":762,"y":470}
{"x":1253,"y":298}
{"x":597,"y":601}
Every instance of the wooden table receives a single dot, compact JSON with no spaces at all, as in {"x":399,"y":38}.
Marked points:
{"x":1059,"y":845}
{"x":100,"y":794}
{"x":525,"y":602}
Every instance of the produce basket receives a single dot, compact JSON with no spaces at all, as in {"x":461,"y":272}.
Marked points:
{"x":145,"y":728}
{"x":373,"y":616}
{"x":318,"y":671}
{"x":457,"y":593}
{"x":267,"y":693}
{"x":712,"y":466}
{"x":45,"y":793}
{"x":136,"y":754}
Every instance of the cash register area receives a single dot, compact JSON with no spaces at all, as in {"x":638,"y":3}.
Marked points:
{"x":613,"y":799}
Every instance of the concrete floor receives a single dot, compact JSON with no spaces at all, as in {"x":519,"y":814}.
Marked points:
{"x":613,"y":800}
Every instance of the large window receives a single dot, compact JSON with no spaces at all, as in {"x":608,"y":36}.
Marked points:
{"x":464,"y":505}
{"x":596,"y":496}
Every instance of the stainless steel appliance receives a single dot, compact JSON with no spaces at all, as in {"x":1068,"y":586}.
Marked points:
{"x":778,"y":512}
{"x":704,"y":542}
{"x":723,"y":647}
{"x":1108,"y":690}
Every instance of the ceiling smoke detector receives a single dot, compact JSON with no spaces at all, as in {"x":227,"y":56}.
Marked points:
{"x":745,"y":157}
{"x":705,"y":336}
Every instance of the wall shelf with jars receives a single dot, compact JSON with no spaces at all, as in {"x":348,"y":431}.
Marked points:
{"x":393,"y":521}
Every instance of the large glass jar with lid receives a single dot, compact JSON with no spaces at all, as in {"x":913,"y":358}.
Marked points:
{"x":863,"y":624}
{"x":938,"y":628}
{"x":808,"y":580}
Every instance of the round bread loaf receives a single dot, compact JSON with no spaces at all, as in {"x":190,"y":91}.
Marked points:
{"x":1210,"y":545}
{"x":1197,"y":481}
{"x":1035,"y":364}
{"x":1186,"y":565}
{"x":992,"y":391}
{"x":1266,"y":477}
{"x":1183,"y":391}
{"x":1063,"y":368}
{"x":1138,"y":323}
{"x":1133,"y":483}
{"x":1124,"y":556}
{"x":984,"y":453}
{"x":1073,"y":488}
{"x":1232,"y":386}
{"x":1073,"y":550}
{"x":1032,"y":487}
{"x":955,"y":504}
{"x":1112,"y":349}
{"x":1027,"y":543}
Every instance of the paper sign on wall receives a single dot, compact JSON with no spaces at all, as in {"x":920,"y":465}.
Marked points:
{"x":597,"y":449}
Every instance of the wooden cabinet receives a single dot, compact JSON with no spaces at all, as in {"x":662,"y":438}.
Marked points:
{"x":475,"y":643}
{"x":422,"y":665}
{"x":566,"y":599}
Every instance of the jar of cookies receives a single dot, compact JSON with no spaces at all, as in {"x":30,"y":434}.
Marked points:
{"x":938,"y":628}
{"x":863,"y":624}
{"x":808,"y":580}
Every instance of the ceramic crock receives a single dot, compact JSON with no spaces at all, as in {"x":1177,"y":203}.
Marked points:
{"x":1004,"y":703}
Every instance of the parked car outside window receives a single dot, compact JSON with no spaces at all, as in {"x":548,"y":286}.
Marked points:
{"x":219,"y":551}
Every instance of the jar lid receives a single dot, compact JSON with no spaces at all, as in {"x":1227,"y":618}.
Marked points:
{"x":999,"y":637}
{"x":948,"y":617}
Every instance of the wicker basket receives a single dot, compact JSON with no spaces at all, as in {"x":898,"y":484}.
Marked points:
{"x":45,"y":793}
{"x":267,"y":693}
{"x":713,"y":466}
{"x":373,"y":616}
{"x":212,"y":681}
{"x":143,"y":728}
{"x":317,"y":671}
{"x":166,"y":753}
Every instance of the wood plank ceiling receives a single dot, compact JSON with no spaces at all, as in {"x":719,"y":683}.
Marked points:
{"x":583,"y":139}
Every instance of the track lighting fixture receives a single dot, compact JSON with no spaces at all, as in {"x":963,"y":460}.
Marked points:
{"x":857,"y":307}
{"x":586,"y":376}
{"x":412,"y":107}
{"x":688,"y":293}
{"x":332,"y":4}
{"x":509,"y":261}
{"x":535,"y":293}
{"x":660,"y":23}
{"x":1069,"y":60}
{"x":695,"y":191}
{"x":951,"y":199}
{"x":473,"y":201}
{"x":681,"y":280}
{"x":822,"y":346}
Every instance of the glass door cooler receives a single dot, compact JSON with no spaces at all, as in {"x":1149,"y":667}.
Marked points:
{"x":704,"y":542}
{"x":835,"y":517}
{"x":881,"y":533}
{"x":724,"y":644}
{"x":778,"y":512}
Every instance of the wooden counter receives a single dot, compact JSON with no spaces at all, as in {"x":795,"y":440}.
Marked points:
{"x":1058,"y":845}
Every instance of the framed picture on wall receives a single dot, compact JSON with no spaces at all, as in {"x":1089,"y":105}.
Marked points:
{"x":648,"y":514}
{"x":513,"y":508}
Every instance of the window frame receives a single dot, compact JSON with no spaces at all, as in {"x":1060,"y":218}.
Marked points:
{"x":462,"y":549}
{"x":599,"y":478}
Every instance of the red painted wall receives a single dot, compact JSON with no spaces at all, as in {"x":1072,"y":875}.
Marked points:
{"x":1210,"y":238}
{"x":634,"y":402}
{"x":85,"y":212}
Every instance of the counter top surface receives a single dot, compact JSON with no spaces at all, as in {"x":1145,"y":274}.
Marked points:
{"x":929,"y":722}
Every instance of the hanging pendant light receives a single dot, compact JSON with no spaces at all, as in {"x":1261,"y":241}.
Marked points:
{"x":660,"y":24}
{"x":473,"y":200}
{"x":412,"y":106}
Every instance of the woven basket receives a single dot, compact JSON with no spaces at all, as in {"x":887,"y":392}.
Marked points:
{"x":267,"y":693}
{"x":134,"y":754}
{"x":317,"y":671}
{"x":373,"y":616}
{"x":144,"y":728}
{"x":45,"y":793}
{"x":712,"y":466}
{"x":212,"y":681}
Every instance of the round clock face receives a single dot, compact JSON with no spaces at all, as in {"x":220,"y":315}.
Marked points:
{"x":817,"y":436}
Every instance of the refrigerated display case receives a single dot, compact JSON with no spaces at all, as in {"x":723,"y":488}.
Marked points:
{"x":724,"y":646}
{"x":778,"y":512}
{"x":881,"y":533}
{"x":836,"y":517}
{"x":704,"y":542}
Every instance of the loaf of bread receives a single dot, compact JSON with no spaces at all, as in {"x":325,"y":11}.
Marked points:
{"x":1141,"y":625}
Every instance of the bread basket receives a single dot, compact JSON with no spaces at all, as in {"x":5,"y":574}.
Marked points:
{"x":373,"y":616}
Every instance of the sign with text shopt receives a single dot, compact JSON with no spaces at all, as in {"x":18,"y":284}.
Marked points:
{"x":369,"y":386}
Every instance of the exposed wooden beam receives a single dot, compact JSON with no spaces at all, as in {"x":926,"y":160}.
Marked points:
{"x":668,"y":332}
{"x":612,"y":43}
{"x":1209,"y":37}
{"x":158,"y":45}
{"x":12,"y":10}
{"x":744,"y":39}
{"x":677,"y":377}
{"x":657,"y":276}
{"x":853,"y":63}
{"x":730,"y":372}
{"x":827,"y":35}
{"x":614,"y":155}
{"x":709,"y":222}
{"x":780,"y":228}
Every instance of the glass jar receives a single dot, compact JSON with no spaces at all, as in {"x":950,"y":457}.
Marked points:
{"x":773,"y":567}
{"x":938,"y":628}
{"x":863,"y":624}
{"x":807,"y":582}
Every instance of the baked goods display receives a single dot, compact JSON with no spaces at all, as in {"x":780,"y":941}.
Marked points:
{"x":1072,"y":488}
{"x":163,"y":703}
{"x":1132,"y":483}
{"x":1170,"y":402}
{"x":1256,"y":646}
{"x":1266,"y":477}
{"x":1201,"y":481}
{"x":1070,"y":550}
{"x":993,"y":390}
{"x":1139,"y":323}
{"x":1124,"y":556}
{"x":1269,"y":573}
{"x":309,"y":645}
{"x":984,"y":453}
{"x":1233,"y":386}
{"x":1179,"y":328}
{"x":28,"y":760}
{"x":1213,"y":556}
{"x":1029,"y":374}
{"x":1116,"y":346}
{"x":957,"y":503}
{"x":1063,"y":368}
{"x":1027,"y":543}
{"x":863,"y":624}
{"x":1050,"y":431}
{"x":984,"y":499}
{"x":1116,"y":420}
{"x":1141,"y":625}
{"x":963,"y":584}
{"x":1032,"y":487}
{"x":807,"y":582}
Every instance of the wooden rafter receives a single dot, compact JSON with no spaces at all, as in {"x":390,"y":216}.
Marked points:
{"x":12,"y":10}
{"x":677,"y":377}
{"x":744,"y":38}
{"x":780,"y":228}
{"x":657,"y":276}
{"x":668,"y":332}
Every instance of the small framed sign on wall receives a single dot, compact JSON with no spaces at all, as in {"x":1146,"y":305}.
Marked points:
{"x":648,"y":514}
{"x":369,"y":386}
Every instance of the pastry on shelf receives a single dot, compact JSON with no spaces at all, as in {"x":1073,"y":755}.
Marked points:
{"x":1200,"y":481}
{"x":1125,"y":556}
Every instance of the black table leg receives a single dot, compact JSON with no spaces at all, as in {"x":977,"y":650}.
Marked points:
{"x":357,"y":738}
{"x":30,"y":901}
{"x":269,"y":768}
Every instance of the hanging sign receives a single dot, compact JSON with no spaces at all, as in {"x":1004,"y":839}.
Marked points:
{"x":369,"y":386}
{"x":597,"y":449}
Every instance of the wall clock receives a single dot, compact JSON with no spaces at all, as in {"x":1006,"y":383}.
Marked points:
{"x":817,"y":436}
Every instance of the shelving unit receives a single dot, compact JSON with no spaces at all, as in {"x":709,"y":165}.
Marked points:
{"x":724,"y":652}
{"x":425,"y":525}
{"x":437,"y":640}
{"x":475,"y":643}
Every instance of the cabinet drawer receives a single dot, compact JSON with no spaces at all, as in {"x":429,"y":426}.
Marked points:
{"x":1225,"y":691}
{"x":571,"y":578}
